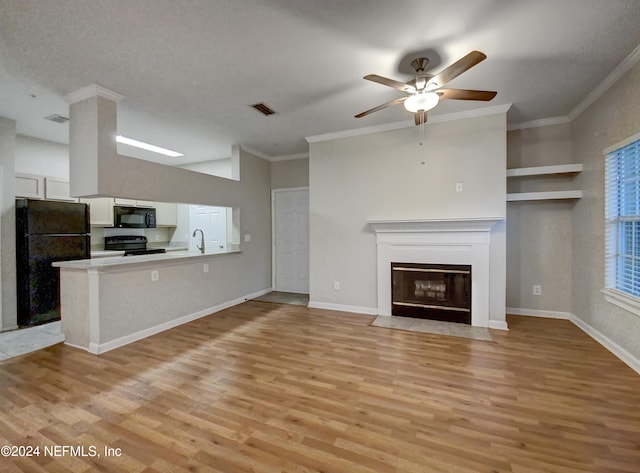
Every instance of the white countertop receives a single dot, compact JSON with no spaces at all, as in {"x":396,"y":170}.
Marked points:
{"x":105,"y":253}
{"x":130,"y":262}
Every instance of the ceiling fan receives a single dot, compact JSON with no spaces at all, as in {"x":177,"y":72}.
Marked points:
{"x":425,"y":90}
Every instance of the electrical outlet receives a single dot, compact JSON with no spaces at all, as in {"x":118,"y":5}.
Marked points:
{"x":336,"y":285}
{"x":537,"y":290}
{"x":205,"y":268}
{"x":157,"y":237}
{"x":154,"y":275}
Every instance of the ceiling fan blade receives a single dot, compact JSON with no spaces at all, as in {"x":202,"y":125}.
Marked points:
{"x":463,"y":94}
{"x":390,"y":83}
{"x":458,"y":67}
{"x":380,"y":107}
{"x":420,"y":117}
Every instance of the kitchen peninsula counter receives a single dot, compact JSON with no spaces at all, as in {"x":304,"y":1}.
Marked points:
{"x":112,"y":301}
{"x":119,"y":260}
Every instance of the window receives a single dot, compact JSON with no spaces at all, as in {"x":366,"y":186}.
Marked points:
{"x":622,"y":214}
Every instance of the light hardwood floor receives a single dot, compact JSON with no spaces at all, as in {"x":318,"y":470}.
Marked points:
{"x":263,"y":387}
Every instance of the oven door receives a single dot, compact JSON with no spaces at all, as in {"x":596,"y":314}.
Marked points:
{"x":134,"y":217}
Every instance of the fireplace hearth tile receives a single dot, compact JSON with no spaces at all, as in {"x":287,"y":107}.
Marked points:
{"x":435,"y":327}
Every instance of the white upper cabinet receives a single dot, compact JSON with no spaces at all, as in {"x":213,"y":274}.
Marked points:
{"x":166,"y":214}
{"x":57,"y":189}
{"x":35,"y":186}
{"x":133,"y":202}
{"x":100,"y":211}
{"x":30,"y":186}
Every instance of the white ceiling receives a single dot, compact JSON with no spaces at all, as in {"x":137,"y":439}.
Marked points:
{"x":189,"y":69}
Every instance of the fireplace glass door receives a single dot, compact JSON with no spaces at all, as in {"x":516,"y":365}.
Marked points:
{"x":432,"y":291}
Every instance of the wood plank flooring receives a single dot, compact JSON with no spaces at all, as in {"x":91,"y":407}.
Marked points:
{"x":267,"y":388}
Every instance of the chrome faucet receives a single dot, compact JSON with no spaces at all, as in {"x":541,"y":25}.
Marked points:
{"x":201,"y":247}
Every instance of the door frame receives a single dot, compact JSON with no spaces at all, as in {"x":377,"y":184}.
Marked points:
{"x":273,"y":228}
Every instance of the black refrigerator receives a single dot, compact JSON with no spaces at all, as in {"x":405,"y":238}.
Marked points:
{"x":46,"y":231}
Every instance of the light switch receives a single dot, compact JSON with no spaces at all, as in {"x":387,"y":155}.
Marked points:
{"x":247,"y":237}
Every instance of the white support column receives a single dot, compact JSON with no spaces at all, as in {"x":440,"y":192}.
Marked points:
{"x":92,"y":137}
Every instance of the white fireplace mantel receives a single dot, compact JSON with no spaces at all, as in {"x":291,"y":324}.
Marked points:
{"x":437,"y":241}
{"x":483,"y":224}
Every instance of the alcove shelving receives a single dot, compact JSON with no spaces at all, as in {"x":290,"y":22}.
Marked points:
{"x":559,"y":169}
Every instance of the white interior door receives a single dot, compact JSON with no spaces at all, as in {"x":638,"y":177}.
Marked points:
{"x":213,"y":222}
{"x":291,"y":240}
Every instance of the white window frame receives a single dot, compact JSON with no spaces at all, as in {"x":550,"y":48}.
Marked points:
{"x":613,"y":294}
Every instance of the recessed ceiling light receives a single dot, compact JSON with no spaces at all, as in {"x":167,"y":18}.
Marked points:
{"x":147,"y":146}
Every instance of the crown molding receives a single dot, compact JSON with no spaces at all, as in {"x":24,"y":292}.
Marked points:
{"x":480,"y":112}
{"x":542,"y":122}
{"x":256,"y":153}
{"x":92,"y":90}
{"x":621,"y":69}
{"x":359,"y":131}
{"x":290,"y":157}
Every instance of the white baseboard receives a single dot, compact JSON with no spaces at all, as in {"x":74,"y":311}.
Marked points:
{"x":498,"y":325}
{"x":257,"y":294}
{"x":613,"y":347}
{"x":343,"y":308}
{"x":549,"y":314}
{"x":97,"y":348}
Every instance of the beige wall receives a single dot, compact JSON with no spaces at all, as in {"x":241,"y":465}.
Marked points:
{"x":217,"y":167}
{"x":539,"y":232}
{"x":290,"y":173}
{"x":391,"y":176}
{"x":93,"y":149}
{"x":560,"y":244}
{"x":611,"y":119}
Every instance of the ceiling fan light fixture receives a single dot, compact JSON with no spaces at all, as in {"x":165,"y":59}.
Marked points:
{"x":421,"y":101}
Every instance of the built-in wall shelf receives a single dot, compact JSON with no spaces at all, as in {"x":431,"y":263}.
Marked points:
{"x":545,"y":170}
{"x":553,"y":195}
{"x":539,"y":171}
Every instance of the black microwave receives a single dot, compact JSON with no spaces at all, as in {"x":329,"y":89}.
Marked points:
{"x":134,"y":217}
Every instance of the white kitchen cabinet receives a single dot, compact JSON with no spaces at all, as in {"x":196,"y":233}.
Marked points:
{"x":56,"y":188}
{"x":128,"y":202}
{"x":166,"y":214}
{"x":101,"y":211}
{"x":35,"y":186}
{"x":133,"y":202}
{"x":30,"y":186}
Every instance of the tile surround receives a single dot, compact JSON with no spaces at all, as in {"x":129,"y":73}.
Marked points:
{"x":22,"y":341}
{"x":433,"y":326}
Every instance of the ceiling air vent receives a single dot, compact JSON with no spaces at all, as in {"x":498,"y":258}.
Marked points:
{"x":57,"y":118}
{"x":262,"y":108}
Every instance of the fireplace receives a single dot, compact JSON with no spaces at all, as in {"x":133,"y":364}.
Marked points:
{"x":446,"y":243}
{"x":431,"y":291}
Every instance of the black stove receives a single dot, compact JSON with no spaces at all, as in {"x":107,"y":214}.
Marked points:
{"x":132,"y":245}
